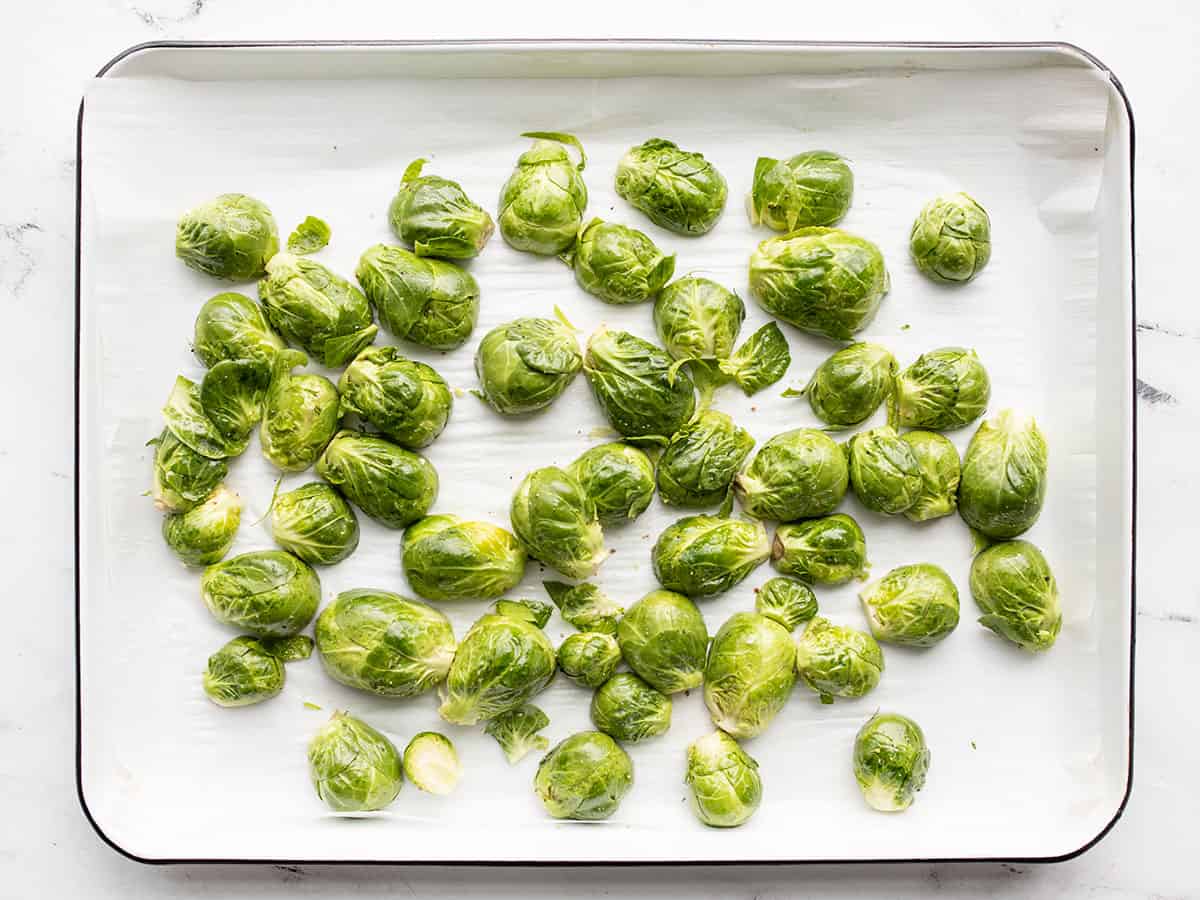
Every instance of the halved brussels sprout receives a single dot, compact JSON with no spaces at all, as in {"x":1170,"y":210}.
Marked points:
{"x":812,"y":188}
{"x":393,"y":486}
{"x":188,"y":420}
{"x":436,"y":216}
{"x":884,"y":473}
{"x":300,"y":414}
{"x":761,"y":361}
{"x":829,"y":550}
{"x":890,"y":761}
{"x":725,"y":785}
{"x":915,"y":605}
{"x":704,"y":555}
{"x":232,"y":326}
{"x":701,"y":459}
{"x":584,"y":777}
{"x":619,"y":264}
{"x":536,"y":612}
{"x":183,"y":478}
{"x":555,"y":520}
{"x":944,"y":389}
{"x":585,"y":606}
{"x":850,"y":385}
{"x":268,"y":593}
{"x":786,"y":601}
{"x":589,"y":658}
{"x":664,"y":639}
{"x":951,"y":239}
{"x":231,"y":236}
{"x":795,"y":475}
{"x":447,"y":558}
{"x":315,"y":524}
{"x":353,"y":767}
{"x":640,"y":393}
{"x":203,"y":535}
{"x":940,"y":474}
{"x":750,"y":674}
{"x":242,"y":673}
{"x":524,"y":365}
{"x":678,"y":190}
{"x":406,"y":400}
{"x":431,"y":763}
{"x":516,"y":731}
{"x":619,"y":478}
{"x":542,"y":203}
{"x":628,"y":709}
{"x":1015,"y":590}
{"x":837,"y":660}
{"x":310,"y":236}
{"x":1003,"y":481}
{"x":696,"y":318}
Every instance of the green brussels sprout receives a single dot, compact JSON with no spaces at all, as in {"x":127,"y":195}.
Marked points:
{"x":628,"y":709}
{"x":300,"y":414}
{"x":268,"y":593}
{"x":314,"y":523}
{"x":944,"y":389}
{"x":698,"y":465}
{"x":589,"y":658}
{"x":584,"y":777}
{"x":231,"y":236}
{"x":698,"y":319}
{"x":232,"y":395}
{"x":951,"y":239}
{"x":664,"y":639}
{"x":310,"y":236}
{"x":837,"y":660}
{"x":542,"y":203}
{"x":634,"y":383}
{"x":183,"y":478}
{"x":795,"y":475}
{"x":704,"y":555}
{"x":243,"y":673}
{"x":315,"y":309}
{"x":431,"y":763}
{"x":516,"y":731}
{"x":786,"y":601}
{"x":829,"y":550}
{"x":393,"y":486}
{"x":750,"y":674}
{"x":429,"y":302}
{"x":761,"y":361}
{"x":383,"y":643}
{"x":822,"y":280}
{"x":524,"y":365}
{"x":619,"y":264}
{"x":915,"y":605}
{"x":555,"y":520}
{"x":812,"y":188}
{"x":1003,"y":481}
{"x":940,"y":474}
{"x":232,"y":326}
{"x":619,"y":478}
{"x":188,"y":420}
{"x":1015,"y":590}
{"x":850,"y":385}
{"x":725,"y":785}
{"x":203,"y":535}
{"x":353,"y":767}
{"x":406,"y":400}
{"x":890,"y":761}
{"x":536,"y":612}
{"x":884,"y":473}
{"x":677,"y":190}
{"x":585,"y":606}
{"x":500,"y":665}
{"x":446,"y":558}
{"x":436,"y":216}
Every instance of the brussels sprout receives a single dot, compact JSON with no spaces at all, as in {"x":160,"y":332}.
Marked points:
{"x":786,"y":601}
{"x":406,"y":400}
{"x":589,"y":658}
{"x":915,"y":605}
{"x":940,"y":473}
{"x":635,"y":385}
{"x":677,"y":190}
{"x":231,"y":236}
{"x":555,"y":520}
{"x":698,"y":319}
{"x":353,"y":767}
{"x":1003,"y":481}
{"x":183,"y":478}
{"x":187,"y":419}
{"x":795,"y":475}
{"x":232,"y":395}
{"x":584,"y":777}
{"x":243,"y":673}
{"x":1014,"y":588}
{"x":203,"y":535}
{"x":726,"y":787}
{"x":618,"y":264}
{"x":951,"y":239}
{"x":850,"y":385}
{"x":499,"y":666}
{"x":812,"y":188}
{"x":288,"y":649}
{"x":944,"y":389}
{"x":628,"y":709}
{"x":750,"y":674}
{"x":542,"y":203}
{"x":890,"y":761}
{"x":300,"y":414}
{"x":822,"y":280}
{"x":427,"y":301}
{"x":536,"y":612}
{"x":884,"y":473}
{"x":585,"y":606}
{"x":268,"y":593}
{"x":704,"y":555}
{"x":701,"y":458}
{"x":446,"y":558}
{"x":524,"y":365}
{"x":829,"y":550}
{"x":393,"y":486}
{"x":436,"y":216}
{"x":232,"y":326}
{"x":383,"y":643}
{"x":837,"y":661}
{"x":516,"y":731}
{"x":310,"y":236}
{"x":431,"y":763}
{"x":315,"y":309}
{"x":665,"y":641}
{"x":315,"y":523}
{"x":619,"y":479}
{"x":761,"y":361}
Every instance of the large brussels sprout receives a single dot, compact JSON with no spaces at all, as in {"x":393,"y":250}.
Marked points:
{"x":704,"y":555}
{"x":589,"y":658}
{"x":812,"y":188}
{"x":890,"y":761}
{"x":1015,"y":590}
{"x":555,"y":520}
{"x":884,"y":473}
{"x":750,"y":674}
{"x":584,"y":777}
{"x":542,"y":203}
{"x":725,"y":785}
{"x":585,"y":606}
{"x":696,"y":318}
{"x":837,"y":661}
{"x":232,"y":326}
{"x":829,"y":550}
{"x":524,"y":365}
{"x":183,"y":478}
{"x":940,"y":474}
{"x":315,"y":309}
{"x":393,"y":486}
{"x":406,"y":400}
{"x":315,"y":523}
{"x":383,"y":643}
{"x":915,"y":605}
{"x":436,"y":217}
{"x":664,"y":639}
{"x":786,"y":601}
{"x":698,"y":465}
{"x":678,"y":190}
{"x":628,"y":709}
{"x":300,"y":414}
{"x":500,"y":665}
{"x":231,"y":236}
{"x":943,"y":389}
{"x":641,"y":395}
{"x":187,"y":419}
{"x":850,"y":385}
{"x":1003,"y":481}
{"x":249,"y":670}
{"x":619,"y":264}
{"x":761,"y":361}
{"x":822,"y":280}
{"x":268,"y":593}
{"x":203,"y":535}
{"x":516,"y":731}
{"x":353,"y":767}
{"x":537,"y":612}
{"x":795,"y":475}
{"x":446,"y":558}
{"x":431,"y":763}
{"x":951,"y":239}
{"x":619,"y":478}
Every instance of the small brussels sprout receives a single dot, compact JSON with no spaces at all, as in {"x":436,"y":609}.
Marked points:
{"x":536,"y":612}
{"x":915,"y":605}
{"x":619,"y":264}
{"x":353,"y":767}
{"x":589,"y":658}
{"x":315,"y":309}
{"x":314,"y":523}
{"x":268,"y":593}
{"x":585,"y":606}
{"x":850,"y":385}
{"x":890,"y":761}
{"x":812,"y":188}
{"x":664,"y":639}
{"x":750,"y":674}
{"x":383,"y":643}
{"x":951,"y":239}
{"x":232,"y":326}
{"x":701,"y":459}
{"x":406,"y":400}
{"x":431,"y":763}
{"x":761,"y":361}
{"x":698,"y":319}
{"x":310,"y":236}
{"x":300,"y":414}
{"x":822,"y":280}
{"x":795,"y":475}
{"x":1003,"y":481}
{"x":628,"y":709}
{"x":837,"y":661}
{"x":1015,"y":590}
{"x":231,"y":236}
{"x":884,"y":473}
{"x":436,"y":217}
{"x":619,"y":478}
{"x":944,"y":389}
{"x":555,"y":520}
{"x":677,"y":190}
{"x":500,"y":665}
{"x":542,"y":203}
{"x":640,"y":393}
{"x":187,"y":419}
{"x":584,"y":777}
{"x":829,"y":550}
{"x":232,"y":395}
{"x":446,"y":558}
{"x":243,"y":673}
{"x":786,"y":601}
{"x":516,"y":731}
{"x":183,"y":478}
{"x":393,"y":486}
{"x":203,"y":535}
{"x":704,"y":555}
{"x":725,"y":785}
{"x":940,"y":474}
{"x":524,"y":365}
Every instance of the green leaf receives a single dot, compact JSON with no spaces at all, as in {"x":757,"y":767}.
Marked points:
{"x":310,"y":236}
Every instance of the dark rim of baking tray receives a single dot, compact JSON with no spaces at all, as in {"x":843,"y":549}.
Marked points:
{"x":533,"y":863}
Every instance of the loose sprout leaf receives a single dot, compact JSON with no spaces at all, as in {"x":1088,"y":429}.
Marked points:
{"x":289,"y":649}
{"x":232,"y":394}
{"x":185,"y":418}
{"x":310,"y":236}
{"x":533,"y":611}
{"x":517,"y":732}
{"x":585,"y":606}
{"x":793,"y":392}
{"x":310,"y":705}
{"x":761,"y":361}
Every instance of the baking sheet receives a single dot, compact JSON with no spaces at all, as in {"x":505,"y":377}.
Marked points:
{"x":1030,"y":754}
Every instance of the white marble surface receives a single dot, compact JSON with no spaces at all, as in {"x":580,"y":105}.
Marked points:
{"x":47,"y":51}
